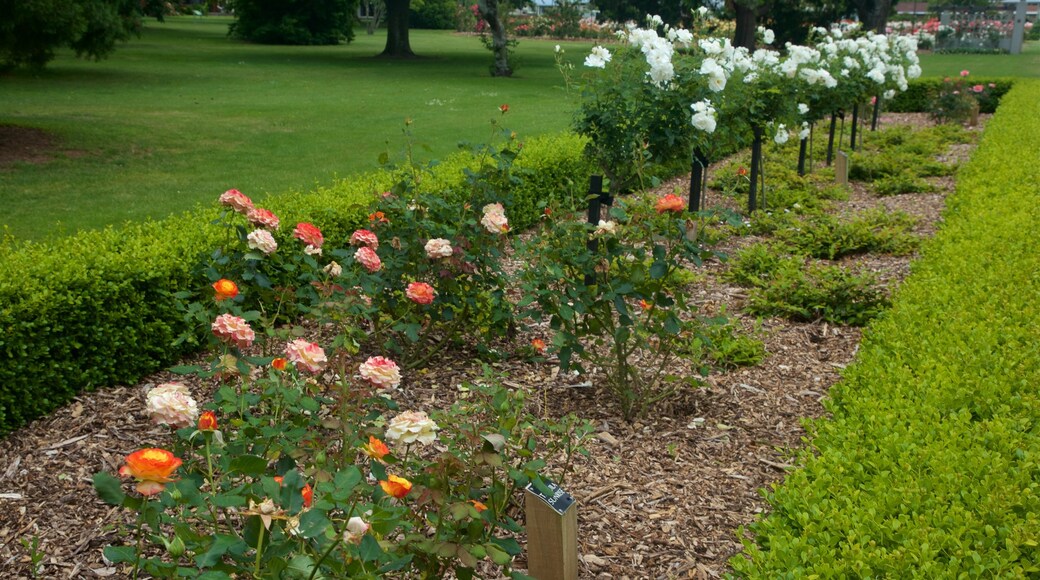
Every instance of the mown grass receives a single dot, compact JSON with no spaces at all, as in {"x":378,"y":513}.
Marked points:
{"x":1025,"y":65}
{"x":178,"y":116}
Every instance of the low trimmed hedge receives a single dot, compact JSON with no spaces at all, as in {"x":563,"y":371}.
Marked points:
{"x":920,"y":93}
{"x":930,"y":464}
{"x":94,"y":309}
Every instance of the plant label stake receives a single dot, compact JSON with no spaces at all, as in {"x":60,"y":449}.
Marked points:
{"x":596,"y":200}
{"x":552,"y":532}
{"x":698,"y":174}
{"x":855,"y":122}
{"x":841,"y":168}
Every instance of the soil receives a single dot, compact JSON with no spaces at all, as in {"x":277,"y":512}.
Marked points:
{"x":663,"y":497}
{"x":25,"y":145}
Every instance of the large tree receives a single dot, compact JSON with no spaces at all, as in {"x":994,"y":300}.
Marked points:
{"x":31,"y":30}
{"x":872,"y":13}
{"x":294,"y":21}
{"x":397,"y":45}
{"x":489,"y":11}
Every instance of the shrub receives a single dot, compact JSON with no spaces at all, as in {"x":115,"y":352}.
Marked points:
{"x":96,"y":308}
{"x":927,"y":467}
{"x":920,"y":93}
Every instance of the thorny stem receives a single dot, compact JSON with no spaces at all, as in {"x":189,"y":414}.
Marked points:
{"x":259,"y":551}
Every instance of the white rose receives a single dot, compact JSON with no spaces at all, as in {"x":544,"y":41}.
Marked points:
{"x":412,"y":426}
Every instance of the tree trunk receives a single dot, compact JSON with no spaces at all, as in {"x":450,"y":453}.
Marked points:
{"x":874,"y":14}
{"x":376,"y":10}
{"x":397,"y":45}
{"x":499,"y":42}
{"x":744,"y":33}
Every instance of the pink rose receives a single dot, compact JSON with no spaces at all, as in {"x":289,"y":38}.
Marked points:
{"x":356,"y":529}
{"x":964,"y":73}
{"x":263,"y":218}
{"x":261,"y":240}
{"x":306,"y":355}
{"x":420,"y":293}
{"x":438,"y":248}
{"x":233,"y":330}
{"x":381,"y":372}
{"x":368,"y":258}
{"x":309,"y":234}
{"x":236,"y":200}
{"x":364,"y":238}
{"x":171,"y":404}
{"x":494,"y":219}
{"x":978,"y":88}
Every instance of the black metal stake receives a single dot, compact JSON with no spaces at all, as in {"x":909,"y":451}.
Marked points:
{"x":698,"y":173}
{"x":855,"y":121}
{"x":802,"y":147}
{"x":830,"y":140}
{"x":756,"y":162}
{"x":877,"y":108}
{"x":595,"y":203}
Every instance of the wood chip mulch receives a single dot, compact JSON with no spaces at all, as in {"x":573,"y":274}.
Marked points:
{"x":662,"y":497}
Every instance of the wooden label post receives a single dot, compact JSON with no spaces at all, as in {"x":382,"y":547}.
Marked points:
{"x":841,"y":168}
{"x":552,"y":532}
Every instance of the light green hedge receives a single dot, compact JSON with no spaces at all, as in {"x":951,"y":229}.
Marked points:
{"x":930,"y":466}
{"x":94,"y":309}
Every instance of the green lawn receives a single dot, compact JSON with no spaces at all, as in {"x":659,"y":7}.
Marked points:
{"x":183,"y":113}
{"x":1026,"y":64}
{"x":176,"y":117}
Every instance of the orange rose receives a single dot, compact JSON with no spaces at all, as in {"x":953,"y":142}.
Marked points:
{"x":670,"y":202}
{"x":375,"y":448}
{"x":307,"y":491}
{"x":396,"y":486}
{"x":152,"y":469}
{"x":279,"y":363}
{"x":742,"y":171}
{"x":208,"y":421}
{"x":480,"y":507}
{"x":378,"y":217}
{"x":225,"y":289}
{"x":538,"y":345}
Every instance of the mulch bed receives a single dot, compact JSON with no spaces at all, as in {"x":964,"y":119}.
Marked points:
{"x":660,"y":497}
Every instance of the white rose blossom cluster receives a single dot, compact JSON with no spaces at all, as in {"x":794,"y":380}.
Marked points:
{"x":704,"y":116}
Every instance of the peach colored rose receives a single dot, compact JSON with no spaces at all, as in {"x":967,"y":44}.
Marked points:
{"x":263,"y":218}
{"x":368,"y":258}
{"x":364,"y":238}
{"x":378,"y":217}
{"x":237,"y":201}
{"x":309,"y":234}
{"x":224,"y":289}
{"x":306,"y":355}
{"x":480,"y":506}
{"x":333,"y":269}
{"x":261,"y":240}
{"x":420,"y":293}
{"x":171,"y":404}
{"x":152,"y":468}
{"x":412,"y":426}
{"x":233,"y":330}
{"x":438,"y":248}
{"x":381,"y":372}
{"x":494,"y":219}
{"x":670,"y":202}
{"x":396,"y":486}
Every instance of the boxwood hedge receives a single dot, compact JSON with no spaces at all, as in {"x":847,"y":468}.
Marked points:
{"x":930,"y":464}
{"x":94,"y":309}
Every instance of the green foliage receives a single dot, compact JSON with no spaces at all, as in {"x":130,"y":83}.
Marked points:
{"x":729,"y":346}
{"x":629,"y":306}
{"x":31,"y":31}
{"x":96,"y":309}
{"x":785,"y":285}
{"x":920,"y":95}
{"x":831,"y":237}
{"x":896,"y":159}
{"x":901,"y":183}
{"x":928,"y":465}
{"x":294,"y":21}
{"x":433,"y":14}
